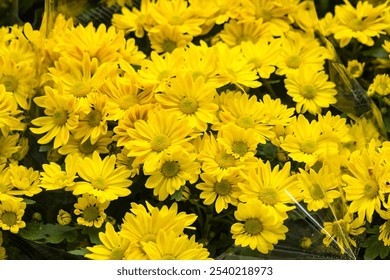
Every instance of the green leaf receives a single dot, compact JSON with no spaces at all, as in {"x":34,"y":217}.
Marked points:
{"x":79,"y":252}
{"x":56,"y":233}
{"x":33,"y":231}
{"x":93,"y":234}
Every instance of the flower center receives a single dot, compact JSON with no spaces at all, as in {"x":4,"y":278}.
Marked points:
{"x":163,"y":75}
{"x":317,"y":192}
{"x":94,"y":118}
{"x":91,"y":213}
{"x":170,"y":169}
{"x":308,"y":146}
{"x":240,"y":148}
{"x":117,"y":254}
{"x":224,"y":160}
{"x":253,"y":226}
{"x":266,"y":15}
{"x":127,"y":101}
{"x":160,"y":142}
{"x":293,"y":61}
{"x":149,"y":237}
{"x":168,"y":257}
{"x":80,"y":89}
{"x":9,"y":218}
{"x":308,"y":91}
{"x":222,"y":188}
{"x":269,"y":196}
{"x":357,"y":24}
{"x":99,"y":183}
{"x":245,"y":122}
{"x":371,"y":191}
{"x":10,"y":83}
{"x":339,"y":228}
{"x":188,"y":105}
{"x":87,"y":147}
{"x":60,"y":117}
{"x":169,"y":45}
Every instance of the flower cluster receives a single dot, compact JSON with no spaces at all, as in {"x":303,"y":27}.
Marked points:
{"x":215,"y":121}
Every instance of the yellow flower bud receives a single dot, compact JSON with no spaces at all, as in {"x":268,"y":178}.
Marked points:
{"x":64,"y":218}
{"x":306,"y":242}
{"x":37,"y":217}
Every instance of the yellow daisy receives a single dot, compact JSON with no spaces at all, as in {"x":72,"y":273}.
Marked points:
{"x":176,"y":169}
{"x":310,"y":90}
{"x":384,"y":229}
{"x":11,"y":214}
{"x":190,"y":99}
{"x":113,"y":246}
{"x":363,"y":22}
{"x":8,"y":147}
{"x":3,"y":254}
{"x":355,"y":68}
{"x":319,"y":189}
{"x":9,"y":119}
{"x":102,"y":178}
{"x":169,"y":246}
{"x":257,"y":227}
{"x":380,"y":85}
{"x":61,"y":117}
{"x":165,"y":38}
{"x":5,"y":183}
{"x":161,"y":134}
{"x":221,"y":192}
{"x":24,"y":180}
{"x":90,"y":210}
{"x":273,"y":187}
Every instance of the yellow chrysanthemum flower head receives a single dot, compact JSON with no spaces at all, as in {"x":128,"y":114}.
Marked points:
{"x":9,"y":113}
{"x":257,"y":227}
{"x":25,"y":180}
{"x":90,"y":211}
{"x":11,"y":214}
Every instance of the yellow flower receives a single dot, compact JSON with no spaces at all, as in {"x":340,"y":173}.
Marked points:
{"x":166,"y":38}
{"x":9,"y":112}
{"x":274,"y":188}
{"x":61,"y":117}
{"x":6,"y":185}
{"x":11,"y":214}
{"x":143,"y":225}
{"x":221,"y":192}
{"x":380,"y":85}
{"x":54,"y":178}
{"x":319,"y":189}
{"x":355,"y":68}
{"x":307,"y":143}
{"x":64,"y":218}
{"x":8,"y":146}
{"x":162,"y":134}
{"x":257,"y":227}
{"x":3,"y":254}
{"x":169,"y":246}
{"x":384,"y":229}
{"x":363,"y":22}
{"x":24,"y":180}
{"x":176,"y":169}
{"x":190,"y":99}
{"x":102,"y":178}
{"x":340,"y":231}
{"x":90,"y":210}
{"x":113,"y":246}
{"x":310,"y":90}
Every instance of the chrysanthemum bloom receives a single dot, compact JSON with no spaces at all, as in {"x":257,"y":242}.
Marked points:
{"x":363,"y":22}
{"x":102,"y":178}
{"x":63,"y":217}
{"x":54,"y":178}
{"x":166,"y":38}
{"x":221,"y":192}
{"x":310,"y":90}
{"x":61,"y":117}
{"x":8,"y":112}
{"x":362,"y":131}
{"x":128,"y":162}
{"x":236,"y":70}
{"x":380,"y":85}
{"x":299,"y":50}
{"x":264,"y":54}
{"x":248,"y":113}
{"x":144,"y":223}
{"x":161,"y":134}
{"x":335,"y":127}
{"x":308,"y":143}
{"x":384,"y":229}
{"x":176,"y":169}
{"x":258,"y":227}
{"x":24,"y":180}
{"x":6,"y":186}
{"x":17,"y":79}
{"x":176,"y":13}
{"x":319,"y":189}
{"x":169,"y":246}
{"x":3,"y":254}
{"x":90,"y":211}
{"x":215,"y":160}
{"x":275,"y":188}
{"x":341,"y":232}
{"x":8,"y":147}
{"x":11,"y":214}
{"x":190,"y":99}
{"x":362,"y":187}
{"x":234,"y":32}
{"x":355,"y":68}
{"x":113,"y":246}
